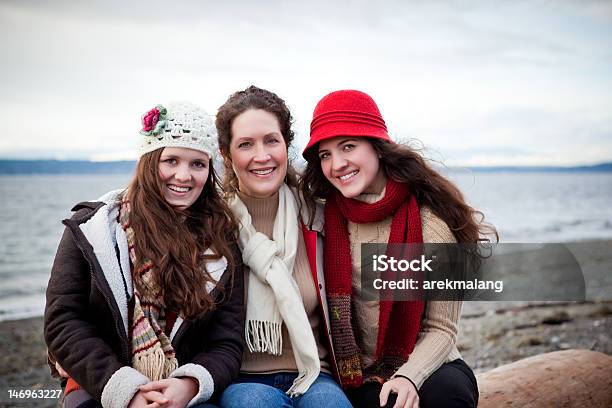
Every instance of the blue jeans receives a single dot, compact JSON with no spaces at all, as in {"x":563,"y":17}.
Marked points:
{"x":268,"y":391}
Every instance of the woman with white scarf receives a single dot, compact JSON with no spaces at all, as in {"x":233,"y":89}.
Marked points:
{"x":288,"y":361}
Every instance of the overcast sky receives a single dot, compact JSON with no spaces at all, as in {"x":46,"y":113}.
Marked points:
{"x":477,"y":82}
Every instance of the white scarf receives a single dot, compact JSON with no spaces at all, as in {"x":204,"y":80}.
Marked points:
{"x":273,"y":295}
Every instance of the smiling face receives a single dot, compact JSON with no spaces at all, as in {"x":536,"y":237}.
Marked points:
{"x":183,"y":173}
{"x":258,"y":153}
{"x":351,"y":165}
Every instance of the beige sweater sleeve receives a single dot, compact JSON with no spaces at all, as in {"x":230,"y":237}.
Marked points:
{"x":438,"y":334}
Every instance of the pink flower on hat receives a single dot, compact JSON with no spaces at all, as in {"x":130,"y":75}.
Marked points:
{"x":150,"y":119}
{"x":153,"y":121}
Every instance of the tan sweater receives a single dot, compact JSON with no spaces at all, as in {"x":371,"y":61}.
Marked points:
{"x":263,"y":213}
{"x":436,"y":342}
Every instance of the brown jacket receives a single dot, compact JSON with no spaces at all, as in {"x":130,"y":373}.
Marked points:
{"x":86,"y":314}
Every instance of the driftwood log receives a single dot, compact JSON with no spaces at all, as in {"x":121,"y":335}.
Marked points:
{"x":570,"y":378}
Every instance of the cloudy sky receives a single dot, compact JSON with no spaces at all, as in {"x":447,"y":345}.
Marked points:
{"x":477,"y":82}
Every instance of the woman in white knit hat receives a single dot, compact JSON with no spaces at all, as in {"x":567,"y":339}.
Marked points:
{"x":145,"y":300}
{"x":289,"y":360}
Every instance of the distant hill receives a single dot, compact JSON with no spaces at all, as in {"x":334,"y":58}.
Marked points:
{"x":65,"y":167}
{"x":603,"y":167}
{"x":128,"y":166}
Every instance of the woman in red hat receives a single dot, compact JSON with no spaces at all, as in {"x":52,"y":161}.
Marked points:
{"x":388,"y":353}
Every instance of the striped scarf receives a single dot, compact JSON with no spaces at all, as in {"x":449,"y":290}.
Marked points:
{"x":399,"y":322}
{"x":152,"y":352}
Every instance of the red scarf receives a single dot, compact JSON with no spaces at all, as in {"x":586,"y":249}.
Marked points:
{"x":399,"y":322}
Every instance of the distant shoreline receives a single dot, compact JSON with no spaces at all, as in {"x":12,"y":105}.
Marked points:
{"x":127,"y":166}
{"x":66,"y":167}
{"x":598,"y":168}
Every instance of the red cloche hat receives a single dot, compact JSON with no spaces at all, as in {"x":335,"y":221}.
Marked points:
{"x":346,"y":113}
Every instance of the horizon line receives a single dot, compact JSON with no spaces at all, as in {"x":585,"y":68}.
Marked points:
{"x":457,"y":166}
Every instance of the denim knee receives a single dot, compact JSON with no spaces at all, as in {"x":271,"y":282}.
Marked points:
{"x":253,"y":395}
{"x":324,"y":392}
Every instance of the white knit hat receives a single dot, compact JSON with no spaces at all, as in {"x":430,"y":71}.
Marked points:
{"x":179,"y":124}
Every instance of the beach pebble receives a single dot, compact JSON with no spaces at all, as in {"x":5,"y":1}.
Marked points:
{"x":564,"y":346}
{"x":531,"y":341}
{"x":602,"y":311}
{"x":557,"y":318}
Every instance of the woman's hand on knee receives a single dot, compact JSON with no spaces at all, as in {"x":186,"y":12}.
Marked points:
{"x":176,"y":391}
{"x":407,"y":395}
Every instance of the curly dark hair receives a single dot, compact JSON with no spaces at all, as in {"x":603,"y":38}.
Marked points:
{"x":239,"y":102}
{"x":405,"y":165}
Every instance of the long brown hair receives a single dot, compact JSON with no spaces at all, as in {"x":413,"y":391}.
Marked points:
{"x":431,"y":189}
{"x":176,"y":248}
{"x":239,"y":102}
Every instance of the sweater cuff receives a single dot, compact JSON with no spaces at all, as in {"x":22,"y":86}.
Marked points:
{"x":413,"y":374}
{"x":121,"y":387}
{"x":396,"y":375}
{"x":205,"y":381}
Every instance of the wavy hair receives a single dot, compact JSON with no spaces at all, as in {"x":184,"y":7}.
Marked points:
{"x":176,"y":248}
{"x":239,"y":102}
{"x":405,"y":165}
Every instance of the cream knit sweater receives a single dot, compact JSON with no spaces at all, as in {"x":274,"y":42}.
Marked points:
{"x":436,"y":342}
{"x":263,"y":214}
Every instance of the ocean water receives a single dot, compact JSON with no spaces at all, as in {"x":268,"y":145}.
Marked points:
{"x":525,"y":207}
{"x":542,"y":206}
{"x":32,"y":208}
